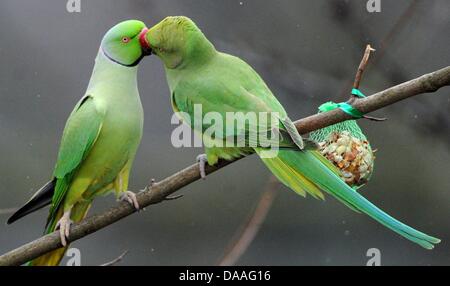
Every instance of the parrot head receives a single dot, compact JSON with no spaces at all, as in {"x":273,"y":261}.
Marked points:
{"x":177,"y":41}
{"x":125,"y":43}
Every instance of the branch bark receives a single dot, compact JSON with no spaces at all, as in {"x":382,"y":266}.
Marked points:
{"x":245,"y":236}
{"x":159,"y":191}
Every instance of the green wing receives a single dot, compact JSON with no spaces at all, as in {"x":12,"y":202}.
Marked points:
{"x":220,"y":91}
{"x":81,"y":132}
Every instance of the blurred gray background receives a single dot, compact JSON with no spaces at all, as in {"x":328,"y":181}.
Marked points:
{"x":307,"y":51}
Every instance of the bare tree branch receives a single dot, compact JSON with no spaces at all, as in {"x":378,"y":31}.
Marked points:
{"x":247,"y":233}
{"x":430,"y":82}
{"x":160,"y":190}
{"x":361,"y":68}
{"x":116,"y":260}
{"x":7,"y":211}
{"x":396,"y":30}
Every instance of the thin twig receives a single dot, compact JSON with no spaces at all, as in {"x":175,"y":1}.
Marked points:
{"x":159,"y":191}
{"x":396,"y":29}
{"x":171,"y":198}
{"x":362,"y":66}
{"x":376,"y":119}
{"x":247,"y":233}
{"x":116,"y":260}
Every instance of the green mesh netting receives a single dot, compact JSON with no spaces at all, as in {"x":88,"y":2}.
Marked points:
{"x":323,"y":134}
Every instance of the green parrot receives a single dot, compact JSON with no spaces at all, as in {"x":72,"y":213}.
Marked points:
{"x":199,"y":75}
{"x":100,"y":138}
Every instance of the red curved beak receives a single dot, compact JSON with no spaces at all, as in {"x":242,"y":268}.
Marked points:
{"x":146,"y":49}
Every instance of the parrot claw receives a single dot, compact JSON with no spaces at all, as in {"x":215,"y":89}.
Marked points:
{"x":131,"y":198}
{"x":202,"y":159}
{"x":64,"y":227}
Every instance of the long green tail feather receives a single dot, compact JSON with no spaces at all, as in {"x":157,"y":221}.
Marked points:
{"x":314,"y":170}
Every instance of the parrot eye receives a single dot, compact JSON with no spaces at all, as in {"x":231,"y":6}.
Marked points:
{"x":125,"y":40}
